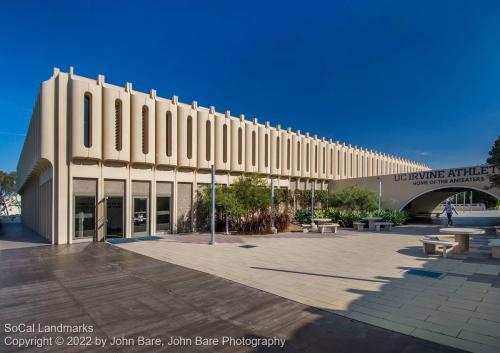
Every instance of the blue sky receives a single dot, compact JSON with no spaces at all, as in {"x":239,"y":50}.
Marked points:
{"x":419,"y":79}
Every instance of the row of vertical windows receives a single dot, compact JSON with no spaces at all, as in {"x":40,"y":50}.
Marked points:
{"x":381,"y":166}
{"x":288,"y":154}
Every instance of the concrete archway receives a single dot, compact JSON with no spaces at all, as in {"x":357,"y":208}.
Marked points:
{"x":426,"y":202}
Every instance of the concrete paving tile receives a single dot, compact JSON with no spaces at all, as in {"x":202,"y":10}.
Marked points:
{"x":452,"y":341}
{"x":480,"y":338}
{"x":427,"y":325}
{"x":484,"y":327}
{"x":393,"y":326}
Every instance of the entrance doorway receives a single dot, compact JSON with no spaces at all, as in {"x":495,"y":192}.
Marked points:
{"x":141,"y":215}
{"x":163,"y":214}
{"x":114,"y":217}
{"x":84,"y":217}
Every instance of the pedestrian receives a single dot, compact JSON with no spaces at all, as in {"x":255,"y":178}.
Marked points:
{"x":449,"y":209}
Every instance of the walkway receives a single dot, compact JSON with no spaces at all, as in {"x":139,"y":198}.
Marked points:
{"x":119,"y":292}
{"x":362,"y":276}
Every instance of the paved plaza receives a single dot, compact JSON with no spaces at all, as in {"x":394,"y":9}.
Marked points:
{"x":121,"y":293}
{"x":359,"y":275}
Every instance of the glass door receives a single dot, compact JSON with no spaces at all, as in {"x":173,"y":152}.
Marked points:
{"x":84,"y":217}
{"x":163,"y":214}
{"x":141,"y":215}
{"x":114,"y":217}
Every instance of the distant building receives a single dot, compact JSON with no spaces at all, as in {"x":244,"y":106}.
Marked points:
{"x":103,"y":160}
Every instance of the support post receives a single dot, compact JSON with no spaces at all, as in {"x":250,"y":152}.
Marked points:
{"x":273,"y":228}
{"x":212,"y":239}
{"x":379,"y":192}
{"x":312,"y":199}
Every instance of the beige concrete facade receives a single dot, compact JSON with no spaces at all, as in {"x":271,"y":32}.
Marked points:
{"x":146,"y":157}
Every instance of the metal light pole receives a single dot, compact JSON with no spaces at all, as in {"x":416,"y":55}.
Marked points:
{"x":312,"y":199}
{"x":212,"y":239}
{"x":379,"y":192}
{"x":273,"y":229}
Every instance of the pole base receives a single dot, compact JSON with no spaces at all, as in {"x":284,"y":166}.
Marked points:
{"x":212,"y":242}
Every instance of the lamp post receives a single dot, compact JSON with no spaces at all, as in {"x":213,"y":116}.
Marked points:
{"x":379,"y":192}
{"x":212,"y":239}
{"x":273,"y":228}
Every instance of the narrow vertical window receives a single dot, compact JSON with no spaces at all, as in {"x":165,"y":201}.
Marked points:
{"x":331,"y":162}
{"x":145,"y":129}
{"x":277,"y":152}
{"x":118,"y":125}
{"x":338,"y":162}
{"x":253,"y":148}
{"x":266,"y":151}
{"x":168,"y":135}
{"x":357,"y":165}
{"x":208,"y":140}
{"x":352,"y":166}
{"x":345,"y":163}
{"x":224,"y":143}
{"x":240,"y":145}
{"x":288,"y":154}
{"x":299,"y":155}
{"x":307,"y":158}
{"x":87,"y":120}
{"x":324,"y":160}
{"x":315,"y":159}
{"x":189,"y":139}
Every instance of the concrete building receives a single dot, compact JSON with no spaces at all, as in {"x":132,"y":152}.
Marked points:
{"x":104,"y":160}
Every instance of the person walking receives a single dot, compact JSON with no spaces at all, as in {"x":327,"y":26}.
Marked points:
{"x":449,"y":209}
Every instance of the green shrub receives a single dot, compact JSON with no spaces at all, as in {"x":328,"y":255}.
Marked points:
{"x":354,"y":198}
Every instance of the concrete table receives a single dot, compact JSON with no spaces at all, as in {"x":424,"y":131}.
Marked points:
{"x":371,"y":221}
{"x":318,"y":221}
{"x":462,"y":237}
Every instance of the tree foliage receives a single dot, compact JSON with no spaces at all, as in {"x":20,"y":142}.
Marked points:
{"x":246,"y":204}
{"x":7,"y":191}
{"x":494,"y":159}
{"x":354,"y":198}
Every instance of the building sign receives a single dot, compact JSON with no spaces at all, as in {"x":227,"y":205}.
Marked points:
{"x":448,"y":176}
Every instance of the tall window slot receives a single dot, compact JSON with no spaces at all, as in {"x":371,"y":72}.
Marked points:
{"x":169,"y":133}
{"x":253,"y":148}
{"x":288,"y":154}
{"x":224,"y":143}
{"x":189,"y":139}
{"x":145,"y":129}
{"x":315,"y":159}
{"x":240,"y":145}
{"x":118,"y":125}
{"x":324,"y":160}
{"x":277,"y":152}
{"x":208,"y":140}
{"x":298,"y":155}
{"x":266,"y":150}
{"x":87,"y":120}
{"x":307,"y":158}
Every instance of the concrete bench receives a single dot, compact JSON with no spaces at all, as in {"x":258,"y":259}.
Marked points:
{"x":430,"y":246}
{"x":358,"y":225}
{"x":306,"y":228}
{"x":382,"y":224}
{"x":495,"y":248}
{"x":331,"y":226}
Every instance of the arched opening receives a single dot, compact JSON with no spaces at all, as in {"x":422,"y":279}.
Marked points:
{"x":474,"y":205}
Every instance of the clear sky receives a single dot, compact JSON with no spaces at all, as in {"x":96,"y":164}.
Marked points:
{"x":418,"y":79}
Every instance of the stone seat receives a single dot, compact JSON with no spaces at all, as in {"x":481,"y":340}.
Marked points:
{"x":495,"y":248}
{"x":331,"y":226}
{"x":430,"y":246}
{"x":382,"y":224}
{"x":358,"y":225}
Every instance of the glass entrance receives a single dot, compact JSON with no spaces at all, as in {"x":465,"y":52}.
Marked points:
{"x":84,"y":217}
{"x":114,"y":217}
{"x":141,"y":215}
{"x":163,"y":213}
